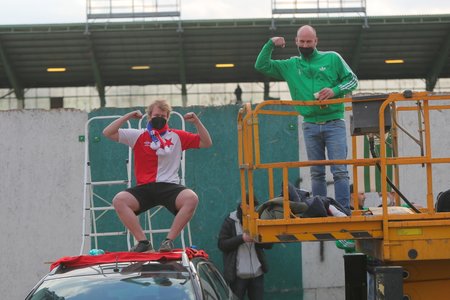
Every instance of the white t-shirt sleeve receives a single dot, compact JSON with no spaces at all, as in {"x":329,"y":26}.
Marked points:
{"x":129,"y":136}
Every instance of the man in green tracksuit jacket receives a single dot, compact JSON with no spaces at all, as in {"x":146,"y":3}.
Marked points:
{"x":316,"y":75}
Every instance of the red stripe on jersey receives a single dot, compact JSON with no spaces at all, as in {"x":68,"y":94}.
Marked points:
{"x":150,"y":167}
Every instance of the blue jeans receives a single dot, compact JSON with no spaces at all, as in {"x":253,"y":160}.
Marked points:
{"x":332,"y":137}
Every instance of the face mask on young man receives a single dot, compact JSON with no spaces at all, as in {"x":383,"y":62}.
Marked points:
{"x":158,"y":122}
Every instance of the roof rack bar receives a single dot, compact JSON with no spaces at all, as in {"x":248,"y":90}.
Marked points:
{"x":100,"y":208}
{"x":112,"y":182}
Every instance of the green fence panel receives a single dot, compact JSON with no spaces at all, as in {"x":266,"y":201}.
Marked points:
{"x":213,"y":174}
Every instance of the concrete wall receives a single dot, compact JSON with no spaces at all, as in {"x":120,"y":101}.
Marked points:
{"x":41,"y":186}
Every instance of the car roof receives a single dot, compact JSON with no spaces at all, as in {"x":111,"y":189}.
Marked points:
{"x":174,"y":269}
{"x":169,"y":275}
{"x":121,"y":275}
{"x":73,"y":262}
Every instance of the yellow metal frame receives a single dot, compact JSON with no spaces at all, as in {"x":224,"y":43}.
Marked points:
{"x":388,"y":237}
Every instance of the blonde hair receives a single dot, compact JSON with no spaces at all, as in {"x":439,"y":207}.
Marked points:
{"x":162,"y":105}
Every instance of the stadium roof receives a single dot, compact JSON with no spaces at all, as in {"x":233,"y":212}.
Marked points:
{"x":179,"y":52}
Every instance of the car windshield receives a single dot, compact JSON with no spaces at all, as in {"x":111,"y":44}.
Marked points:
{"x":116,"y":287}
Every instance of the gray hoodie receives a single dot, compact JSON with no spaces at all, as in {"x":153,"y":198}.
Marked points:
{"x":247,"y":262}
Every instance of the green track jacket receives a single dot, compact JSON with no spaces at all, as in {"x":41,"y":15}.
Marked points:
{"x":308,"y":76}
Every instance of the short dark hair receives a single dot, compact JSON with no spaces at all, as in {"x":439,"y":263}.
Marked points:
{"x":443,"y":201}
{"x":247,"y":200}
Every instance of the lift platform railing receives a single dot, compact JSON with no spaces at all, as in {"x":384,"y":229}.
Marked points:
{"x":357,"y":226}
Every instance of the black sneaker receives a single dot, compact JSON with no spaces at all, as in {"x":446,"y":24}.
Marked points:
{"x":166,"y":246}
{"x":142,"y":246}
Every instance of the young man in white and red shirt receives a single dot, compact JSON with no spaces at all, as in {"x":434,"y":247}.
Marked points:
{"x":157,"y":155}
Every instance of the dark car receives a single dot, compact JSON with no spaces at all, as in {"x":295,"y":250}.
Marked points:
{"x":125,"y":275}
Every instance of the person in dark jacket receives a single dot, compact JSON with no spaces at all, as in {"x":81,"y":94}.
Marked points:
{"x":238,"y":93}
{"x":244,"y":259}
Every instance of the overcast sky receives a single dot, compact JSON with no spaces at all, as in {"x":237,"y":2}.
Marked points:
{"x":74,"y":11}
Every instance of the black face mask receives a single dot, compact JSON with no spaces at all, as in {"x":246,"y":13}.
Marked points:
{"x":306,"y":52}
{"x":158,"y":122}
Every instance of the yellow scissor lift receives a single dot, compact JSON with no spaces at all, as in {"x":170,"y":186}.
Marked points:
{"x":417,"y":242}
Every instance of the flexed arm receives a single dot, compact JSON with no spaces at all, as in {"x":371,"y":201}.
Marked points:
{"x":205,"y":138}
{"x":278,"y":41}
{"x":112,"y":130}
{"x":264,"y":62}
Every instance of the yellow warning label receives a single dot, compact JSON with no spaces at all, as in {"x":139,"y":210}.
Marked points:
{"x":409,"y":231}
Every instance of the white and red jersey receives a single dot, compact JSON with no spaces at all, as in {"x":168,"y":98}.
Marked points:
{"x":150,"y":167}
